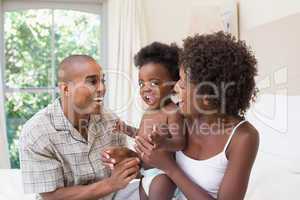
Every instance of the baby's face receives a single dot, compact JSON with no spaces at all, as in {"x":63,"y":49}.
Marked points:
{"x":155,"y":84}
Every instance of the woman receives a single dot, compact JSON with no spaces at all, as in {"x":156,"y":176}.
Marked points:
{"x":215,"y":89}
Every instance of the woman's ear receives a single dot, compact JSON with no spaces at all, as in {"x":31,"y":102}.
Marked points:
{"x":208,"y":105}
{"x":206,"y":100}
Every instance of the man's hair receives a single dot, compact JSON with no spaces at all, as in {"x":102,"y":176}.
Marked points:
{"x":68,"y":63}
{"x":159,"y":53}
{"x":220,"y":59}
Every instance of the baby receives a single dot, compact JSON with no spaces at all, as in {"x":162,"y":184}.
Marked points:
{"x":158,"y":73}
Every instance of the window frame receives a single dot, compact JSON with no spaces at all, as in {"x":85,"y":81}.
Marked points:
{"x":98,"y":7}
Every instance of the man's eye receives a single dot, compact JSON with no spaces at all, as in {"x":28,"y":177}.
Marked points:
{"x":92,"y":81}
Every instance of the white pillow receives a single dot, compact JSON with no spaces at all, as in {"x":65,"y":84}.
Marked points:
{"x":11,"y":185}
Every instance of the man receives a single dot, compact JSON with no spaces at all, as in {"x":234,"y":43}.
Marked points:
{"x":61,"y":145}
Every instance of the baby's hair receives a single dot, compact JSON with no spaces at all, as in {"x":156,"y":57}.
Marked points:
{"x":159,"y":53}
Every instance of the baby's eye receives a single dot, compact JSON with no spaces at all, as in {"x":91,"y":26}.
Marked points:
{"x":141,"y":84}
{"x":154,"y":83}
{"x":182,"y":84}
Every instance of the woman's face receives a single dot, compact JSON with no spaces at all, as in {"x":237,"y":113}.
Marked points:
{"x":186,"y":93}
{"x":189,"y":101}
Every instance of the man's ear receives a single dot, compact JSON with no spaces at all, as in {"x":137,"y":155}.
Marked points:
{"x":63,"y":88}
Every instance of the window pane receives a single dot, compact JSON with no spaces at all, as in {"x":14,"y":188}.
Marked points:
{"x":77,"y":33}
{"x":28,"y":43}
{"x":19,"y":108}
{"x":28,"y":58}
{"x":28,"y":48}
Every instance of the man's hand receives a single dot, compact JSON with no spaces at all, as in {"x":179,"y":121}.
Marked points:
{"x":123,"y":173}
{"x":115,"y":155}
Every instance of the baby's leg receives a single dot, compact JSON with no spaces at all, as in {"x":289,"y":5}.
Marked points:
{"x":143,"y":195}
{"x":162,"y":188}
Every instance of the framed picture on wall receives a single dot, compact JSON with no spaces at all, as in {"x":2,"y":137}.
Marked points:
{"x":208,"y":18}
{"x":230,"y":18}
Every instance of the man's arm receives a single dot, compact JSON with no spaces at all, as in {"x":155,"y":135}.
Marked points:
{"x":93,"y":191}
{"x":43,"y":172}
{"x":122,"y":174}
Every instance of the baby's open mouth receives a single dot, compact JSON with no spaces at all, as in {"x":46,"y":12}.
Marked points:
{"x":149,"y":99}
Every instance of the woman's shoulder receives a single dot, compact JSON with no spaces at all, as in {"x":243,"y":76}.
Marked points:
{"x":247,"y":131}
{"x":246,"y":137}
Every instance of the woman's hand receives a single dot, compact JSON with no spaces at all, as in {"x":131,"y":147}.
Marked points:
{"x":159,"y":138}
{"x":153,"y":157}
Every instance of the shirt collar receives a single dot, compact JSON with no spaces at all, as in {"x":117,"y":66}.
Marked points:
{"x":61,"y":123}
{"x":59,"y":120}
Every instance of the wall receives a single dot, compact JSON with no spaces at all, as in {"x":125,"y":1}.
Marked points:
{"x":263,"y":24}
{"x":168,"y":20}
{"x":271,"y":28}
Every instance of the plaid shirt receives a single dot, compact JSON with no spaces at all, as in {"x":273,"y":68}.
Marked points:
{"x":53,"y":153}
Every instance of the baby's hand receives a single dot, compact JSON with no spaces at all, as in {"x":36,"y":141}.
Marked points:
{"x":114,"y":155}
{"x":119,"y":126}
{"x":159,"y":137}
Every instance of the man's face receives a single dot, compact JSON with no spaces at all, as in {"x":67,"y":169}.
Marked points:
{"x":86,"y":89}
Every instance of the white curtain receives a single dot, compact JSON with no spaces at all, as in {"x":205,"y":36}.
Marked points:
{"x":126,"y":35}
{"x":4,"y":160}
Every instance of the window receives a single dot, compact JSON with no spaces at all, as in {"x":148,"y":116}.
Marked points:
{"x":35,"y":41}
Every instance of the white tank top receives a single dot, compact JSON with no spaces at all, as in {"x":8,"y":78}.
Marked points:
{"x":208,"y":173}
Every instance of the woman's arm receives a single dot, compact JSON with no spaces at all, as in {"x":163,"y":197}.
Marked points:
{"x":241,"y":155}
{"x":167,"y":163}
{"x":190,"y":189}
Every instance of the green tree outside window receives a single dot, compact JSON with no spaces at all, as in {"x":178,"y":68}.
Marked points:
{"x":35,"y":42}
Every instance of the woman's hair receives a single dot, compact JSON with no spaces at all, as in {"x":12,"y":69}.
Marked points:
{"x":221,"y":66}
{"x":159,"y":53}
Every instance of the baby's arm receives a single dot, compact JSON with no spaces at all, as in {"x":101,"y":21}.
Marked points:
{"x":175,"y":139}
{"x":121,"y":126}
